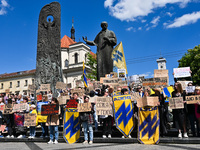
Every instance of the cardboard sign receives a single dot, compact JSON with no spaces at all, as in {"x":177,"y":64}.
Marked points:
{"x":39,"y":97}
{"x":92,"y":99}
{"x":155,"y":82}
{"x":109,"y":81}
{"x":135,"y":96}
{"x":160,"y":73}
{"x":84,"y":107}
{"x":61,"y":85}
{"x":121,"y":73}
{"x":190,"y":89}
{"x":182,"y":72}
{"x":72,"y":103}
{"x":176,"y":103}
{"x":31,"y":87}
{"x":103,"y":106}
{"x":2,"y":108}
{"x":63,"y":100}
{"x":51,"y":109}
{"x":30,"y":119}
{"x":45,"y":87}
{"x":193,"y":99}
{"x":19,"y":107}
{"x":113,"y":75}
{"x":19,"y":119}
{"x":147,"y":101}
{"x":184,"y":84}
{"x":8,"y":109}
{"x":7,"y":90}
{"x":79,"y":91}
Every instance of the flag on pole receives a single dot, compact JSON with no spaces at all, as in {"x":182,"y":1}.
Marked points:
{"x":119,"y":58}
{"x":84,"y":76}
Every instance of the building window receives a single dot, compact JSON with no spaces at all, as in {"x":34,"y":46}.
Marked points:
{"x":18,"y":83}
{"x":76,"y":58}
{"x":10,"y":84}
{"x":26,"y":83}
{"x":33,"y":81}
{"x":66,"y":63}
{"x":85,"y":57}
{"x":1,"y":85}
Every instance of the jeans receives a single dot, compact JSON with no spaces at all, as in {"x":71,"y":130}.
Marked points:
{"x":32,"y":131}
{"x":44,"y":129}
{"x":52,"y":130}
{"x":87,"y":126}
{"x":95,"y":120}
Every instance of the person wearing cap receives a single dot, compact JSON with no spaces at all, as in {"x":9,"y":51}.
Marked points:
{"x":32,"y":128}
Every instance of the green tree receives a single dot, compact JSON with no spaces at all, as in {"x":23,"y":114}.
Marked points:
{"x":192,"y":59}
{"x":92,"y":63}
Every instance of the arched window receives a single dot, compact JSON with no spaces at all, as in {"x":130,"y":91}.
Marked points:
{"x":76,"y":58}
{"x":66,"y":63}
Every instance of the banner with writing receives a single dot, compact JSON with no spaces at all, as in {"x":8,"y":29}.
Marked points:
{"x":103,"y":106}
{"x":72,"y":103}
{"x":8,"y":109}
{"x":45,"y":87}
{"x":184,"y":84}
{"x":31,"y":87}
{"x":79,"y":91}
{"x":63,"y":100}
{"x":61,"y":85}
{"x":19,"y":119}
{"x":176,"y":103}
{"x":182,"y":72}
{"x":84,"y":107}
{"x":135,"y":96}
{"x":30,"y":119}
{"x":19,"y":107}
{"x":155,"y":82}
{"x":190,"y":89}
{"x":193,"y":99}
{"x":50,"y":109}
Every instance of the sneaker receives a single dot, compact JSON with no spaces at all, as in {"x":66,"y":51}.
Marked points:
{"x":129,"y":136}
{"x":8,"y":136}
{"x":123,"y":137}
{"x":55,"y":142}
{"x":32,"y":137}
{"x":12,"y":136}
{"x":85,"y":142}
{"x":180,"y":135}
{"x":50,"y":142}
{"x":185,"y":135}
{"x":104,"y":136}
{"x":90,"y":142}
{"x":20,"y":136}
{"x":29,"y":137}
{"x":109,"y":135}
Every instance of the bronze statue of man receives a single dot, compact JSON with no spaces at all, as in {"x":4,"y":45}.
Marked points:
{"x":105,"y":40}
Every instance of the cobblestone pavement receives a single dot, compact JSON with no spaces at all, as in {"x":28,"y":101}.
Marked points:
{"x":96,"y":146}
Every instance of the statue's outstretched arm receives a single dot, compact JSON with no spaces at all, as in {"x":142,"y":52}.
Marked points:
{"x":88,"y":42}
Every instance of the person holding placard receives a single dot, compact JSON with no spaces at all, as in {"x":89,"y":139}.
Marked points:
{"x":197,"y":110}
{"x":191,"y":113}
{"x":179,"y":115}
{"x":32,"y":128}
{"x":87,"y":120}
{"x":53,"y":123}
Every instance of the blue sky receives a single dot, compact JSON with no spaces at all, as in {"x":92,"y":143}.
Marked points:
{"x":147,"y":28}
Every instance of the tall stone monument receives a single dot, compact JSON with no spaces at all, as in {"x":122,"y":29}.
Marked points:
{"x":48,"y":65}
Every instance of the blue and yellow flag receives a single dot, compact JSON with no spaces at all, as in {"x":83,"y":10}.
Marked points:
{"x":119,"y":57}
{"x":149,"y":125}
{"x":167,"y":91}
{"x":71,"y":129}
{"x":84,"y":76}
{"x":123,"y":112}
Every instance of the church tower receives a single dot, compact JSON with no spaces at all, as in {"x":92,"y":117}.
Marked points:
{"x":73,"y":31}
{"x":161,"y":63}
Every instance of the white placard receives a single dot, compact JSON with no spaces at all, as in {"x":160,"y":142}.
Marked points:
{"x":190,"y":89}
{"x":121,"y":73}
{"x":182,"y":72}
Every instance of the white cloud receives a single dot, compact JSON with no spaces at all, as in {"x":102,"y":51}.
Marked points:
{"x":155,"y":21}
{"x":143,"y":21}
{"x":169,"y":14}
{"x":3,"y":5}
{"x":140,"y":28}
{"x":184,"y":20}
{"x":129,"y":10}
{"x":147,"y":74}
{"x":129,"y":29}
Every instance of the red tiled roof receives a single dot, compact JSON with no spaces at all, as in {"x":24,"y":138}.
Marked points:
{"x":93,"y":54}
{"x":66,"y":41}
{"x":5,"y":75}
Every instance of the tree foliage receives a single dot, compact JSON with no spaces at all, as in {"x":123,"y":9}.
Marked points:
{"x":92,"y":63}
{"x":192,"y":59}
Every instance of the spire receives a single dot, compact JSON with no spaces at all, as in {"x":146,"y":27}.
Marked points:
{"x":73,"y":30}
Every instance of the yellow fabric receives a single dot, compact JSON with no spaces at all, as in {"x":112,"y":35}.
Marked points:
{"x":119,"y":57}
{"x":148,"y":125}
{"x":71,"y":127}
{"x":42,"y":119}
{"x":123,"y":112}
{"x":152,"y":92}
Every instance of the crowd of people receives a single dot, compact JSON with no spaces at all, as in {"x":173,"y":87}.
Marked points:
{"x":185,"y":120}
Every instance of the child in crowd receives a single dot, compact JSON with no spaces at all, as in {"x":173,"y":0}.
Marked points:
{"x":32,"y":128}
{"x":53,"y":123}
{"x":87,"y":120}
